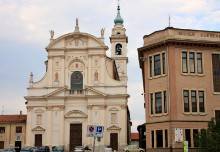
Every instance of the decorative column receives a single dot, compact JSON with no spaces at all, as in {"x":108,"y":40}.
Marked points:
{"x":48,"y":130}
{"x":62,"y":132}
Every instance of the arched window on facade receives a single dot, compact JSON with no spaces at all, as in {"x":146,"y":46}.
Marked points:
{"x":76,"y":82}
{"x":118,"y":49}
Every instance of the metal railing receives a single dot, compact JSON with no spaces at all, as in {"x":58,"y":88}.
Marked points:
{"x":77,"y":92}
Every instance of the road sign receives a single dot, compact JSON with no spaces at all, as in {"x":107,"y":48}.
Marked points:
{"x":99,"y":131}
{"x":91,"y":130}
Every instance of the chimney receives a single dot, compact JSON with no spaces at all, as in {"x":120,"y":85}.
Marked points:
{"x":20,"y":112}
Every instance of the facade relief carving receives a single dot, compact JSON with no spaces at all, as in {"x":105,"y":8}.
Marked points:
{"x":113,"y":127}
{"x":80,"y":60}
{"x":75,"y":42}
{"x":75,"y":114}
{"x":38,"y":128}
{"x":76,"y":65}
{"x":55,"y":107}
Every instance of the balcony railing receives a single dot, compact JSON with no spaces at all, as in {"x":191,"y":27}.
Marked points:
{"x":77,"y":92}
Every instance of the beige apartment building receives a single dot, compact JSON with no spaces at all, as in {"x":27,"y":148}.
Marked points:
{"x":181,"y":80}
{"x":12,"y":131}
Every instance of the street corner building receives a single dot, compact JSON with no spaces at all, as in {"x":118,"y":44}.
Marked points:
{"x":181,"y":80}
{"x":82,"y":86}
{"x":12,"y":130}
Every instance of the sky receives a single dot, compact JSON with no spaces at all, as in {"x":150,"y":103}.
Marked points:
{"x":24,"y":34}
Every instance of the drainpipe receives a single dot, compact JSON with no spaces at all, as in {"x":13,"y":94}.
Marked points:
{"x":10,"y":135}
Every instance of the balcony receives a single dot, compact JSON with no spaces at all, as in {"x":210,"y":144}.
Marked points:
{"x":77,"y":92}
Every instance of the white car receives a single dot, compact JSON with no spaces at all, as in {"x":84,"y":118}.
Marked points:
{"x":133,"y":148}
{"x":78,"y":149}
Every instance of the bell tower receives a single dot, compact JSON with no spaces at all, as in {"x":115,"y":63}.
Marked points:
{"x":119,"y":42}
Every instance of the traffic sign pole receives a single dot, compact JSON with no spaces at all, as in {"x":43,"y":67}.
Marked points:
{"x":94,"y":144}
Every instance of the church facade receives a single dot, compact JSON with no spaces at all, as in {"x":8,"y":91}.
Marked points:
{"x":82,"y":86}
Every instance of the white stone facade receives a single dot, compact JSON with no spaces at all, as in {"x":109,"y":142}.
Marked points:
{"x":52,"y":103}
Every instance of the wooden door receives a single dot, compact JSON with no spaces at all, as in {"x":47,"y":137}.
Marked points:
{"x":114,"y":141}
{"x":2,"y":144}
{"x":75,"y":136}
{"x":17,"y":146}
{"x":38,"y":140}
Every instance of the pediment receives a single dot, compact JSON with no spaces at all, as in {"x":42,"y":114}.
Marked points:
{"x":58,"y":92}
{"x":76,"y":40}
{"x":38,"y":128}
{"x":113,"y":127}
{"x":92,"y":91}
{"x":75,"y":114}
{"x":88,"y":91}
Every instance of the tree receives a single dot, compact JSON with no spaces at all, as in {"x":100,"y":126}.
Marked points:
{"x":209,"y":140}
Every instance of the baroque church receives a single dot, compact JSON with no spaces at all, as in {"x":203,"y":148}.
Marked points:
{"x":82,"y":86}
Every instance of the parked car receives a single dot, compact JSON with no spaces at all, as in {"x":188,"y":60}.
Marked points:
{"x":43,"y":149}
{"x":28,"y":149}
{"x":82,"y":149}
{"x":57,"y":149}
{"x":79,"y":149}
{"x":133,"y":148}
{"x":9,"y":150}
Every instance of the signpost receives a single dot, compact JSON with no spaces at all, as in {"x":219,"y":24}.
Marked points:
{"x":95,"y":131}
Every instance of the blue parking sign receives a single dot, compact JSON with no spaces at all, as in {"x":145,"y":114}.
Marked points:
{"x":99,"y":129}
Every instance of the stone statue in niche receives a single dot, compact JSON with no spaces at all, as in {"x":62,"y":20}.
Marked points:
{"x":96,"y":76}
{"x":77,"y":65}
{"x":56,"y":77}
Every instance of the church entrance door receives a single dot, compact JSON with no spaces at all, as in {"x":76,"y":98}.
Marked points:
{"x":75,"y":136}
{"x":38,"y":140}
{"x":114,"y":141}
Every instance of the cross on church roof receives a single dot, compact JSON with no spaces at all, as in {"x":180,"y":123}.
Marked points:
{"x":77,"y":25}
{"x":118,"y":19}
